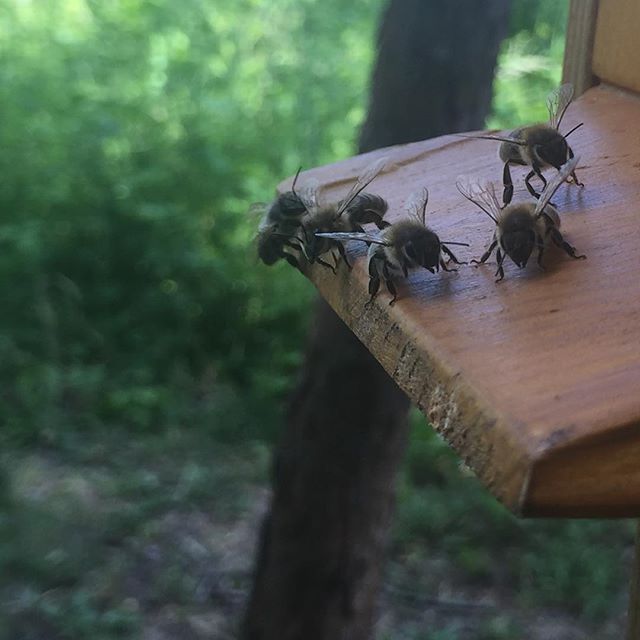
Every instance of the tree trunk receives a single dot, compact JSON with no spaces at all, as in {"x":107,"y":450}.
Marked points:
{"x":435,"y":69}
{"x":321,"y":550}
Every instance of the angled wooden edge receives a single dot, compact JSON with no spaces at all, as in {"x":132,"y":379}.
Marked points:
{"x":551,"y":482}
{"x":578,"y":53}
{"x":454,"y":408}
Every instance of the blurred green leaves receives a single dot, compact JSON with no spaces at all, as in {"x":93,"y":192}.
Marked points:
{"x":529,"y":65}
{"x":134,"y":135}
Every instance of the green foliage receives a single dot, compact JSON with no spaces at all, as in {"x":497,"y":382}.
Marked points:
{"x":529,"y":65}
{"x":134,"y":135}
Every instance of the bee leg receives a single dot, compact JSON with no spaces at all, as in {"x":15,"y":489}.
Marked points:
{"x":374,"y":285}
{"x":559,"y":241}
{"x":535,"y":172}
{"x":575,"y":179}
{"x":326,"y":264}
{"x":291,"y":260}
{"x":540,"y":243}
{"x":392,"y":290}
{"x":292,"y":245}
{"x":507,"y":193}
{"x":343,"y":253}
{"x":573,"y":173}
{"x":443,"y":264}
{"x":451,"y":255}
{"x":389,"y":282}
{"x":487,"y":253}
{"x":500,"y":258}
{"x":376,"y":218}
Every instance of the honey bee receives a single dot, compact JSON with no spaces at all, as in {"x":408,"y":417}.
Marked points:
{"x":347,"y":215}
{"x":279,"y":224}
{"x":538,"y":146}
{"x":402,"y":246}
{"x":523,"y":226}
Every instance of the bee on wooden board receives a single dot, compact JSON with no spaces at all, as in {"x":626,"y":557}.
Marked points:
{"x":278,"y":226}
{"x":538,"y":146}
{"x":357,"y":208}
{"x":524,"y":226}
{"x":402,"y":246}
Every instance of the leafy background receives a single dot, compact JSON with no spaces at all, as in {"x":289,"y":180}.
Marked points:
{"x":145,"y":354}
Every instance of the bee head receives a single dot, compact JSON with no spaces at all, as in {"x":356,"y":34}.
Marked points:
{"x":423,"y":250}
{"x":518,"y":245}
{"x":553,"y":149}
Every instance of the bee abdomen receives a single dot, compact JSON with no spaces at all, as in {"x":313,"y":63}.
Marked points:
{"x":366,"y":208}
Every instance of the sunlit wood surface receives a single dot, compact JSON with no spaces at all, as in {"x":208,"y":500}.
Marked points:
{"x":535,"y":381}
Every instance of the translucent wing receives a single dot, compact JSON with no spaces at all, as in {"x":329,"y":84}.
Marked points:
{"x":416,"y":204}
{"x":493,"y":137}
{"x":363,"y":180}
{"x":552,"y":186}
{"x":309,"y":193}
{"x":354,"y":235}
{"x":557,"y":103}
{"x":258,"y":209}
{"x":483,"y":195}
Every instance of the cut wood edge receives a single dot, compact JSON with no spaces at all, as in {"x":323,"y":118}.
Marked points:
{"x":458,"y":413}
{"x":591,"y":478}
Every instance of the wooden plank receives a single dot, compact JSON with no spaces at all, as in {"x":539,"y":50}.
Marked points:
{"x":535,"y":381}
{"x":616,"y":54}
{"x":579,"y":45}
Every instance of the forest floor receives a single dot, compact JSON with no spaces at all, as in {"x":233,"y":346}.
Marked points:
{"x":154,"y":538}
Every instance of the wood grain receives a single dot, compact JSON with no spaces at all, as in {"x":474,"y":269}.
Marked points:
{"x":616,"y":53}
{"x":578,"y":50}
{"x":535,"y":381}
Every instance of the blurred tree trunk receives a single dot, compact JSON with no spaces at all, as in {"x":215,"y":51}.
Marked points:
{"x":319,"y":563}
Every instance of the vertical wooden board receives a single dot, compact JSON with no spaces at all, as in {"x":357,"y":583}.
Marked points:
{"x":616,"y":54}
{"x":578,"y":49}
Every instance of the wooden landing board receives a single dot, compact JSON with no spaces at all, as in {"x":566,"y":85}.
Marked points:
{"x":535,"y":381}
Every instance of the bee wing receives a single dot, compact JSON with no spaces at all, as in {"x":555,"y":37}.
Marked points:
{"x":520,"y":143}
{"x":416,"y":204}
{"x":552,"y":186}
{"x":483,"y":195}
{"x":257,"y":208}
{"x":364,"y":179}
{"x":309,"y":193}
{"x":375,"y":238}
{"x":557,"y":103}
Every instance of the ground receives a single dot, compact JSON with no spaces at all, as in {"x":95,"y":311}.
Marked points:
{"x":109,"y":537}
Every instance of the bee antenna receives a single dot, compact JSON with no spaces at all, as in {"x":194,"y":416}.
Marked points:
{"x":461,"y":244}
{"x":566,"y":135}
{"x":293,"y":189}
{"x":295,"y":179}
